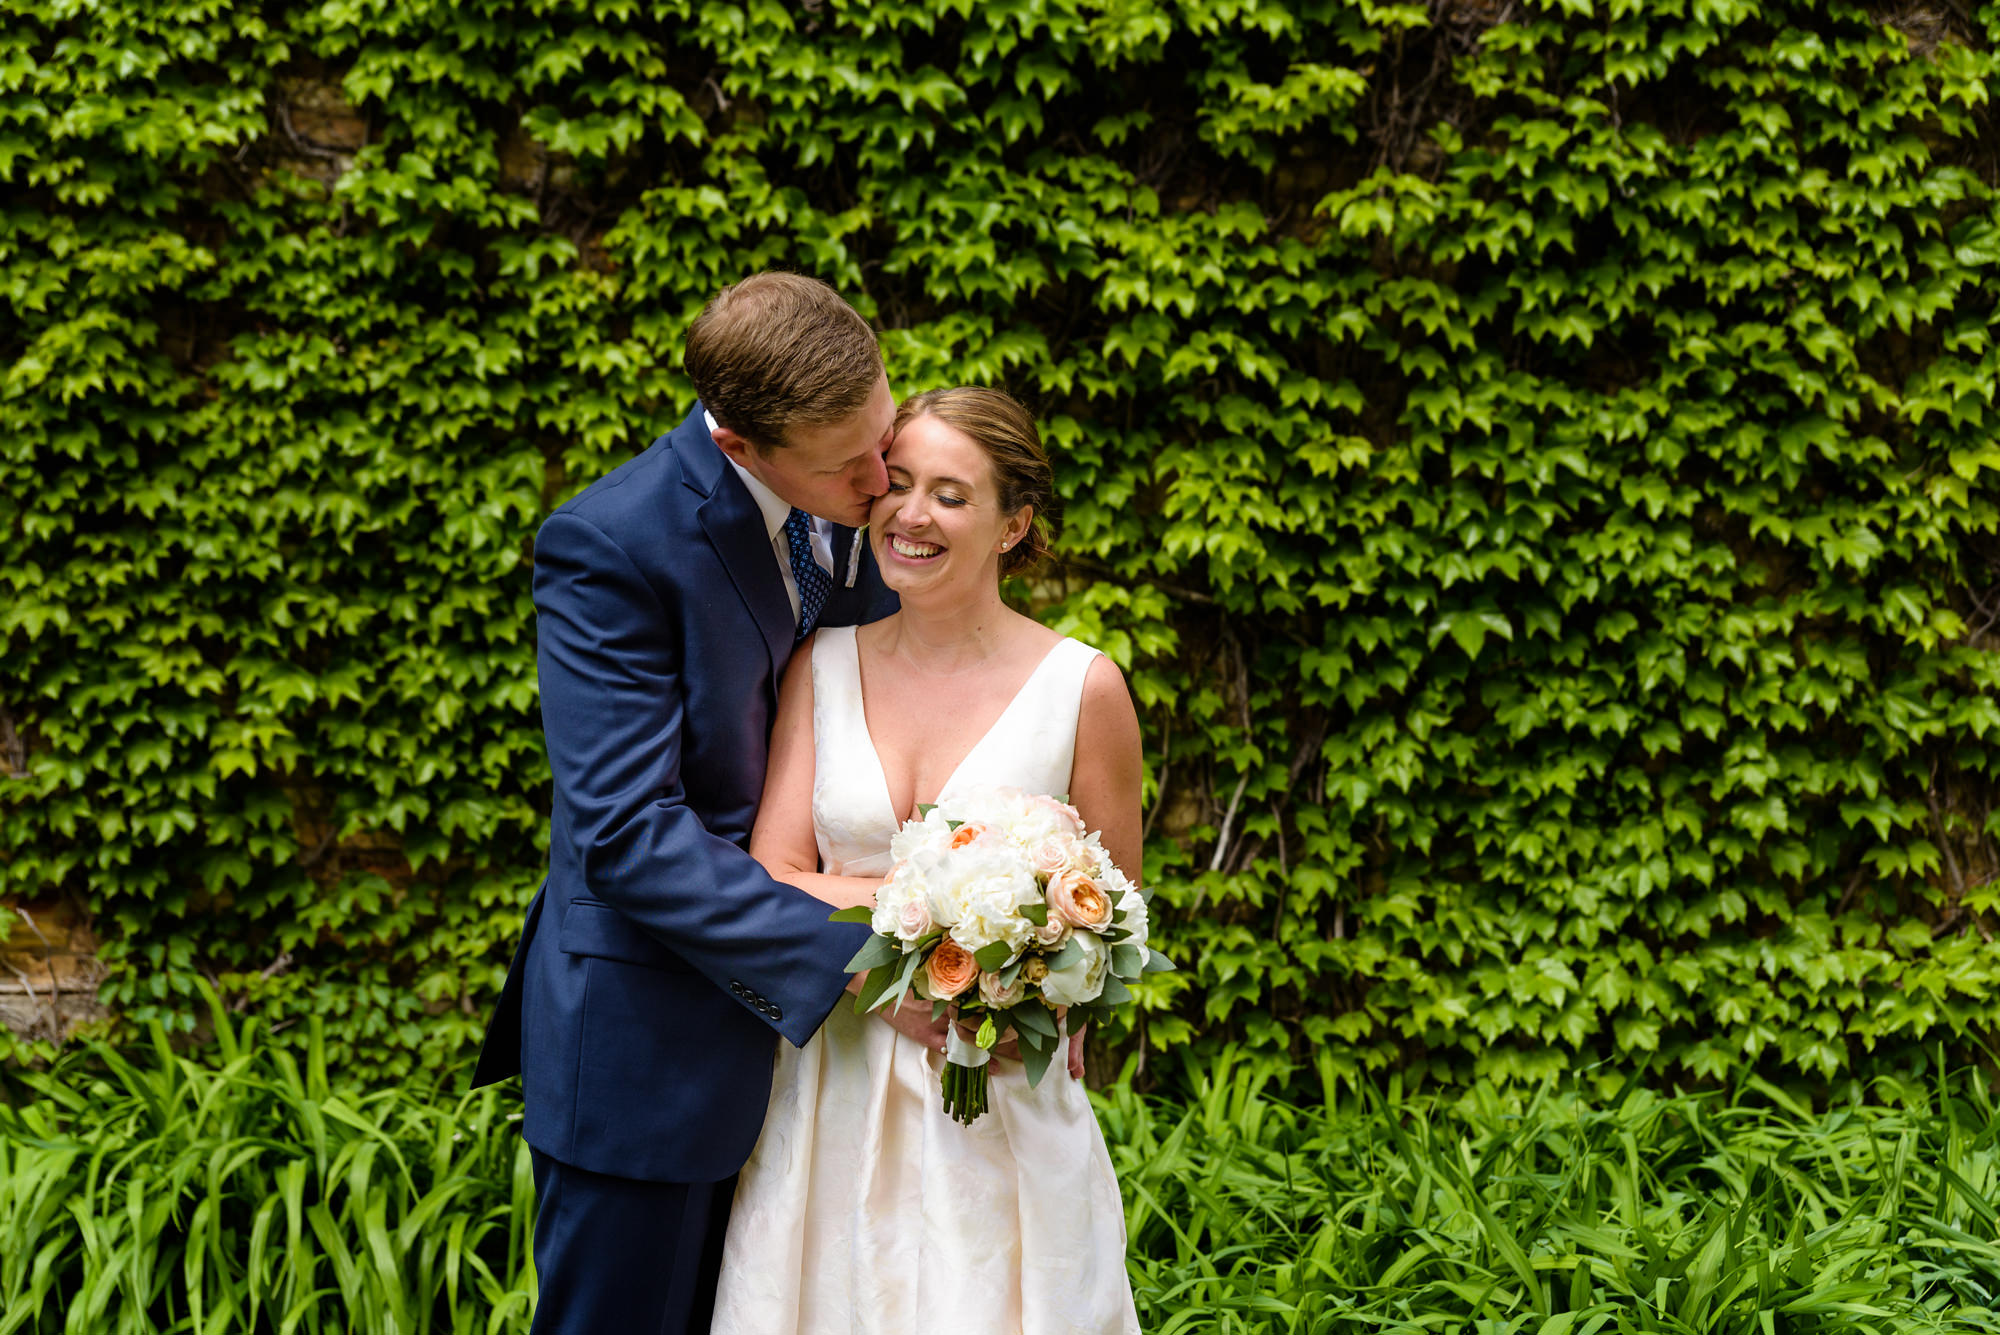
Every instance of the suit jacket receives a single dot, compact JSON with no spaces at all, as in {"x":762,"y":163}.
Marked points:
{"x":658,"y":958}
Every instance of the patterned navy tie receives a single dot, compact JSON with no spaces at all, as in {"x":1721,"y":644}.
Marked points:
{"x":814,"y":583}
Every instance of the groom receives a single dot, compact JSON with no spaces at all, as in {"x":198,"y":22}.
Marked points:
{"x":658,"y":958}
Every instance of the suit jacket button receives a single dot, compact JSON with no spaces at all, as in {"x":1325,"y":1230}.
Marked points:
{"x":736,"y":987}
{"x":777,"y":1014}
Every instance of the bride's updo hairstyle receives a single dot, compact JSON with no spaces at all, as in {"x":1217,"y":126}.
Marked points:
{"x":999,"y":425}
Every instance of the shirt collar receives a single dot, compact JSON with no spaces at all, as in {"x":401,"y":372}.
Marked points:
{"x":769,"y":503}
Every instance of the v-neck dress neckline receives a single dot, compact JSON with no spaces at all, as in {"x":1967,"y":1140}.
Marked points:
{"x":1021,"y":693}
{"x":1030,"y":746}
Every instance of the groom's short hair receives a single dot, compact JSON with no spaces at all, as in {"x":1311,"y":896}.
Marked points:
{"x":780,"y":349}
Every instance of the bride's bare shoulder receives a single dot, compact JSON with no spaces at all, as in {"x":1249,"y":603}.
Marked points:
{"x":1031,"y":634}
{"x":1107,"y":701}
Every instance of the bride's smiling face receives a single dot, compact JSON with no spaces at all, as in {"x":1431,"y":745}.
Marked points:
{"x":940,"y":523}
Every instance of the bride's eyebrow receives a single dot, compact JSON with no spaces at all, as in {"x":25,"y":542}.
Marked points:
{"x":955,"y":481}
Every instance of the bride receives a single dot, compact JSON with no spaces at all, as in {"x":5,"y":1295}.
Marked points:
{"x":865,"y":1209}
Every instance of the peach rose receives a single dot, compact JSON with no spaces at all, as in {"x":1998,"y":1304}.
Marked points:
{"x":1052,"y":933}
{"x":950,"y":970}
{"x":1079,"y":901}
{"x":914,"y":919}
{"x":965,"y":834}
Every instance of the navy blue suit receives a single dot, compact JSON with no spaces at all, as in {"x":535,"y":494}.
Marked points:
{"x":658,"y":957}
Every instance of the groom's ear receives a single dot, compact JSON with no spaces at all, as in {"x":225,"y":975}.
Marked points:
{"x":730,"y":443}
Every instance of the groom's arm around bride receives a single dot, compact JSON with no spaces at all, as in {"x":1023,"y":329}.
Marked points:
{"x":658,"y":958}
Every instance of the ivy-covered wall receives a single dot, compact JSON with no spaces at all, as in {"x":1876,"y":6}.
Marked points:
{"x":1537,"y":462}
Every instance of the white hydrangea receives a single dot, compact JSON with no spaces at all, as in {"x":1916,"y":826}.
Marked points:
{"x":889,"y":897}
{"x":989,"y":907}
{"x":933,"y":832}
{"x":977,"y":891}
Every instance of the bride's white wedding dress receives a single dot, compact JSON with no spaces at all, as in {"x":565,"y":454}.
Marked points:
{"x":865,"y":1210}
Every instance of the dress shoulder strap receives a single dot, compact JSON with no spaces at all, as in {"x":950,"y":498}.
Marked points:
{"x":1062,"y":679}
{"x":836,"y":679}
{"x":834,"y":652}
{"x":1050,"y":716}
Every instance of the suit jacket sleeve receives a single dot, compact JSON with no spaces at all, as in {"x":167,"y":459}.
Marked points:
{"x":612,"y":704}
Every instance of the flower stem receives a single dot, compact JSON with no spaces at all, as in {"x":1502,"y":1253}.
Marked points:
{"x":964,"y":1089}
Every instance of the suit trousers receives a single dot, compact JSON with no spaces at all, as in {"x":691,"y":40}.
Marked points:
{"x":616,"y":1255}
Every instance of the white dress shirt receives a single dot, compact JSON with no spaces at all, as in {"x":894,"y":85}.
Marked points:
{"x":776,"y":510}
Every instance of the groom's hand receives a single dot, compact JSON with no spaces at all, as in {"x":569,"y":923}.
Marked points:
{"x":912,"y":1019}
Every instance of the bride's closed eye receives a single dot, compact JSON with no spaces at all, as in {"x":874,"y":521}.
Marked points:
{"x":943,"y":497}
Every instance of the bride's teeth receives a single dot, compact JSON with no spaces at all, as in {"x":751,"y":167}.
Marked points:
{"x":903,"y":548}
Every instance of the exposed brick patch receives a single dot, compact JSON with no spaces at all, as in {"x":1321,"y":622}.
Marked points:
{"x":49,"y":971}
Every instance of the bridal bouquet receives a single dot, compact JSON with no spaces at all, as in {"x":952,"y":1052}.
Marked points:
{"x":1001,"y":909}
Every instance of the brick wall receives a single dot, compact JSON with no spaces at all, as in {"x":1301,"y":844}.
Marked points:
{"x":48,"y":970}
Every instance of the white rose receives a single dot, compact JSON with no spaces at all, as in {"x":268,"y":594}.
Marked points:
{"x":1000,"y":997}
{"x":1050,"y":854}
{"x":1067,"y":819}
{"x":1082,"y":979}
{"x":913,"y":919}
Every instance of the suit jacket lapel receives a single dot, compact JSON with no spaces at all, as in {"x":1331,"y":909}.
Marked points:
{"x":869,"y":598}
{"x":735,"y":528}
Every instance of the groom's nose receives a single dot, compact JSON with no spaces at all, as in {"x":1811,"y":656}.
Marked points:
{"x":875,"y":480}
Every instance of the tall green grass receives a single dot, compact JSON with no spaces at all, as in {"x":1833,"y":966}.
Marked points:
{"x":242,"y":1190}
{"x":1648,"y":1212}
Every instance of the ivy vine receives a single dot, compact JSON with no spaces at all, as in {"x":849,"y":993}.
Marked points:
{"x":1536,"y":461}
